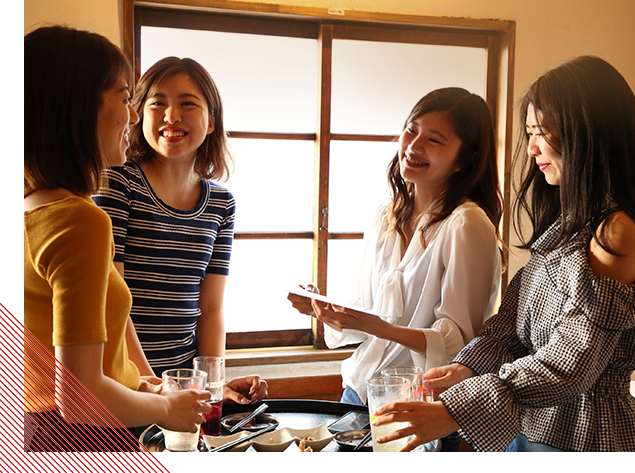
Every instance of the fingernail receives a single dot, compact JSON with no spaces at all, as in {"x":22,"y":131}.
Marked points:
{"x":244,"y":401}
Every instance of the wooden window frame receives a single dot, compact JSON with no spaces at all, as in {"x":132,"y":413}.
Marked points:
{"x":497,"y":37}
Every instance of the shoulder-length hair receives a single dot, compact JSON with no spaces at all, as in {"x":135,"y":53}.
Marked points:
{"x":592,"y":109}
{"x":66,"y":72}
{"x":213,"y":158}
{"x":478,"y":176}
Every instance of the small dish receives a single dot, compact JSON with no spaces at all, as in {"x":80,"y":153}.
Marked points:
{"x":280,"y":440}
{"x":217,"y":441}
{"x":259,"y":422}
{"x":349,"y":439}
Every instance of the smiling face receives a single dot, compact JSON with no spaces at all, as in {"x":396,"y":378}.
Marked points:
{"x":176,"y":118}
{"x":114,"y":119}
{"x":540,"y":133}
{"x":428,"y":148}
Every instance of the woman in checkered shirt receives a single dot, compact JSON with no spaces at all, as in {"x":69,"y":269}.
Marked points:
{"x":551,"y":371}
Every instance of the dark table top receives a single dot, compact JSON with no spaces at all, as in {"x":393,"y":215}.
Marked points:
{"x":291,"y":413}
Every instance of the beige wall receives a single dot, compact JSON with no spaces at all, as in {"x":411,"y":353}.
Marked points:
{"x":548,"y":31}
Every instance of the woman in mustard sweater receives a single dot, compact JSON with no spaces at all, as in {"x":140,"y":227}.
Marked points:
{"x":76,"y":305}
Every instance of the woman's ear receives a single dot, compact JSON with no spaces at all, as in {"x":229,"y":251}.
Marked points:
{"x":212,"y":123}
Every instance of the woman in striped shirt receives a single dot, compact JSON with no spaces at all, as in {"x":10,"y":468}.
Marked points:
{"x":173,"y":226}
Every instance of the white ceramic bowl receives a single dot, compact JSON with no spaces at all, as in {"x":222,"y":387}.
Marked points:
{"x":279,"y":440}
{"x":213,"y":442}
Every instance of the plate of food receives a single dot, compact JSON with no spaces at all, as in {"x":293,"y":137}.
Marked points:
{"x":216,"y":441}
{"x":259,"y":422}
{"x":349,"y":439}
{"x":314,"y":439}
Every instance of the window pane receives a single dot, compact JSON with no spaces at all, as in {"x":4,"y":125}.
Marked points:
{"x":267,"y":83}
{"x":358,"y":183}
{"x":376,"y":84}
{"x":273,"y":185}
{"x":258,"y":270}
{"x":343,"y":265}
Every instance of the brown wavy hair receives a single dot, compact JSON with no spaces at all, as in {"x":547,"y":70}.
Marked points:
{"x":214,"y":159}
{"x":477,"y":179}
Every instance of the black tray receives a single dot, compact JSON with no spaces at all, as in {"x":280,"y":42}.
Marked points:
{"x":292,"y":413}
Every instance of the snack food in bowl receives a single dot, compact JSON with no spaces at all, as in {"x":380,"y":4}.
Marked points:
{"x":216,"y":441}
{"x":317,"y":438}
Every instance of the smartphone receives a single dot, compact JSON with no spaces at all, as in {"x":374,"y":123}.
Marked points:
{"x":352,"y":420}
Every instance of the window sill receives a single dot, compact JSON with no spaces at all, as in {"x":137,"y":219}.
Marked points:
{"x":284,"y":355}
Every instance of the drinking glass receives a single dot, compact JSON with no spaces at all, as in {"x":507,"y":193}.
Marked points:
{"x":215,"y":368}
{"x":177,"y":380}
{"x":382,"y":391}
{"x":415,"y":375}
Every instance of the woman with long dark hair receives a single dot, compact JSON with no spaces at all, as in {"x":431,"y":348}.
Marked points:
{"x":551,"y":371}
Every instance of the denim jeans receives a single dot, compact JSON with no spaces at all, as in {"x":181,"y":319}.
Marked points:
{"x":522,"y":444}
{"x":350,"y":396}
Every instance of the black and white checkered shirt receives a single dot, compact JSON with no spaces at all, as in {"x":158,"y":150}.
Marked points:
{"x":555,"y":362}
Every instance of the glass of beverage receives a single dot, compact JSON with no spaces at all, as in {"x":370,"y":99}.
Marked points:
{"x":215,"y":368}
{"x":177,"y":380}
{"x":415,"y":375}
{"x":382,"y":391}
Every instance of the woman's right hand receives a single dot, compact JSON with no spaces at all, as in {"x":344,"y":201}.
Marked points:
{"x":436,"y":380}
{"x":185,"y":409}
{"x":303,"y":304}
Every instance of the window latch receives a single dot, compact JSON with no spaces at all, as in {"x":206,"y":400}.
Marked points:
{"x":324,"y":211}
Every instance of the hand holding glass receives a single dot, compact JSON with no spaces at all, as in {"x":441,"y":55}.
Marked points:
{"x":177,"y":380}
{"x":382,"y":391}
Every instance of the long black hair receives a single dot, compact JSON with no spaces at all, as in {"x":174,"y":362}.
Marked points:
{"x":592,"y":109}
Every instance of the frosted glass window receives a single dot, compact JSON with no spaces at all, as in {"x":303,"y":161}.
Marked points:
{"x":273,"y":185}
{"x":258,"y":270}
{"x":376,"y":85}
{"x":343,"y":262}
{"x":267,"y":83}
{"x":358,"y":183}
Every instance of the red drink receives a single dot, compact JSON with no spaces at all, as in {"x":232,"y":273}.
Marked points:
{"x":211,"y":426}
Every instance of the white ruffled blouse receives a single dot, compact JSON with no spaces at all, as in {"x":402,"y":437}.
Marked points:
{"x":447,"y":291}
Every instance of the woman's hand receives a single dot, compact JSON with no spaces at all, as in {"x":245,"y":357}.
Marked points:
{"x":341,"y":318}
{"x":303,"y":304}
{"x":436,"y":380}
{"x":150,"y":384}
{"x":249,"y":389}
{"x":428,"y":421}
{"x":185,"y":410}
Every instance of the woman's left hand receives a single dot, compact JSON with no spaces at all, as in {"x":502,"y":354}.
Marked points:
{"x":428,"y":421}
{"x":341,"y":318}
{"x":150,"y":384}
{"x":245,"y":390}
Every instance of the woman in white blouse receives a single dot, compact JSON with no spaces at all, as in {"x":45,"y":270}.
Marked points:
{"x":431,"y":263}
{"x":551,"y":370}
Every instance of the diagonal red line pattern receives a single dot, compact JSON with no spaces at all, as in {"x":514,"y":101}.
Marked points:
{"x":13,"y":388}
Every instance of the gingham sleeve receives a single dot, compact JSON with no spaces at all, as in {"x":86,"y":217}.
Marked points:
{"x":497,"y":343}
{"x":576,"y":323}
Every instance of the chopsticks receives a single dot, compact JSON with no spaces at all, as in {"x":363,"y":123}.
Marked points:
{"x":233,"y":443}
{"x":363,"y":441}
{"x":244,"y":421}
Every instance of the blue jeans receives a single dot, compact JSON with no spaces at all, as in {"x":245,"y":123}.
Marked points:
{"x":522,"y":444}
{"x":350,"y":396}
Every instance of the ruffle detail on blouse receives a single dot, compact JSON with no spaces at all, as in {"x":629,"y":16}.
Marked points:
{"x":605,"y":302}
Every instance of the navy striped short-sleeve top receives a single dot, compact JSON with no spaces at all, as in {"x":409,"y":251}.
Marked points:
{"x":166,"y":254}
